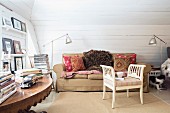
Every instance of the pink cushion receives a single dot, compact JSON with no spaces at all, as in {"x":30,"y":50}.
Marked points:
{"x":67,"y":63}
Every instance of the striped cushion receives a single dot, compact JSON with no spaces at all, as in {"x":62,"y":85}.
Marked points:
{"x":128,"y":81}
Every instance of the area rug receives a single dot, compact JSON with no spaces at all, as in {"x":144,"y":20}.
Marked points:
{"x":91,"y":102}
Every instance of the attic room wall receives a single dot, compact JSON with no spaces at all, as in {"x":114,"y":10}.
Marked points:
{"x":115,"y":26}
{"x":119,"y":38}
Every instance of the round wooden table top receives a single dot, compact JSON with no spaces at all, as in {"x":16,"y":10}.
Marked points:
{"x":23,"y":99}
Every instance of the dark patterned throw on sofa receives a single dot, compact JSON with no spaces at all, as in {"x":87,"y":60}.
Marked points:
{"x":94,"y":58}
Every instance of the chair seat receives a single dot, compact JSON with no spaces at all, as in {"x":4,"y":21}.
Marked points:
{"x":128,"y":81}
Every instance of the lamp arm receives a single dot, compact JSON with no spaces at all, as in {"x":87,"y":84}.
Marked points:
{"x":54,"y":40}
{"x":160,"y":39}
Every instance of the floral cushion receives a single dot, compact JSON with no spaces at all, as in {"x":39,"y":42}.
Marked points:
{"x":131,"y":56}
{"x":121,"y":64}
{"x":67,"y":63}
{"x":77,"y":63}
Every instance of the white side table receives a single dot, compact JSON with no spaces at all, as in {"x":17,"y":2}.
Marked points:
{"x":154,"y":73}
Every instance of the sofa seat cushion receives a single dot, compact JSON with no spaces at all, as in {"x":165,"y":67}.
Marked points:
{"x":77,"y":76}
{"x":95,"y":76}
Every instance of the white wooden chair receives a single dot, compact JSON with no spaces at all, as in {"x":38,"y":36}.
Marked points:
{"x":133,"y":80}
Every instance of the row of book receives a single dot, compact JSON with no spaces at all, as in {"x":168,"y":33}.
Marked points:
{"x":41,"y":61}
{"x":7,"y":85}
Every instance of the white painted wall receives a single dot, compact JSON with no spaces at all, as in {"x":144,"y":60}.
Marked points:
{"x":113,"y":38}
{"x":112,"y":25}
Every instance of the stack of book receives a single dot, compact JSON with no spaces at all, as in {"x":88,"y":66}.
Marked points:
{"x":7,"y":85}
{"x":41,"y":61}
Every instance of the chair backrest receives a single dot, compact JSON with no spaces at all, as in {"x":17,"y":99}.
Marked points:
{"x":108,"y":72}
{"x":136,"y":71}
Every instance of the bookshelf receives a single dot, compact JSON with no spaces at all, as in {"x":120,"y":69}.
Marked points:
{"x":14,"y":34}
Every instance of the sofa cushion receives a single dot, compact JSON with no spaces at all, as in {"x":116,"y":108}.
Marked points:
{"x":77,"y":76}
{"x":95,"y":76}
{"x":67,"y":63}
{"x":77,"y":63}
{"x":131,"y":56}
{"x":121,"y":64}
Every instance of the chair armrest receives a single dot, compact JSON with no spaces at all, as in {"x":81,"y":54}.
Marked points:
{"x":58,"y":69}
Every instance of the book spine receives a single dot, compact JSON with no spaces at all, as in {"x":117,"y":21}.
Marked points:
{"x":5,"y":78}
{"x":7,"y":96}
{"x":8,"y":86}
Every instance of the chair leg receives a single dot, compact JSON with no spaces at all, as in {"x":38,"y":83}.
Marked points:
{"x":141,"y":95}
{"x":113,"y":98}
{"x":104,"y":90}
{"x":128,"y":93}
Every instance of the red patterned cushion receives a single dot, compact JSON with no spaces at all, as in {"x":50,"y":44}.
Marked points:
{"x":67,"y":63}
{"x":121,"y":64}
{"x":77,"y":63}
{"x":131,"y":56}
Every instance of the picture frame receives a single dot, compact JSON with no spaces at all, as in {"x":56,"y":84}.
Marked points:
{"x":7,"y":45}
{"x":23,"y":26}
{"x":6,"y":66}
{"x":18,"y":63}
{"x":16,"y":23}
{"x":6,"y":22}
{"x":17,"y":47}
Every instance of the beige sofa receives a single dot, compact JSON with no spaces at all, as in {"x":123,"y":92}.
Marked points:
{"x":90,"y":82}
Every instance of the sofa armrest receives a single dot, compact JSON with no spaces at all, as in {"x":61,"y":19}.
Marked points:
{"x":147,"y":68}
{"x":58,"y":69}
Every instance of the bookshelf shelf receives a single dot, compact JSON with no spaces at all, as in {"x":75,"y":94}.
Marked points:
{"x":12,"y":29}
{"x":16,"y":55}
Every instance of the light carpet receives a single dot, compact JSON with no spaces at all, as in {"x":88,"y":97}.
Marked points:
{"x":91,"y":102}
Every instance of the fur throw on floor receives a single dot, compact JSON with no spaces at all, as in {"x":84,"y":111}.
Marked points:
{"x":94,"y":58}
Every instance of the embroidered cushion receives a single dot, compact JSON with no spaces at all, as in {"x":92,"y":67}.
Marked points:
{"x":77,"y":63}
{"x":67,"y":63}
{"x":121,"y":64}
{"x":131,"y":56}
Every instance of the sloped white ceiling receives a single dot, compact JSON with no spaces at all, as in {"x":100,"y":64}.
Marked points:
{"x":22,"y":7}
{"x":101,"y":12}
{"x":93,"y":12}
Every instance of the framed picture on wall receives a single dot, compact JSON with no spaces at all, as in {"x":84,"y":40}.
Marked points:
{"x":7,"y":45}
{"x":18,"y":63}
{"x":23,"y":26}
{"x":6,"y":22}
{"x":16,"y":23}
{"x":17,"y":47}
